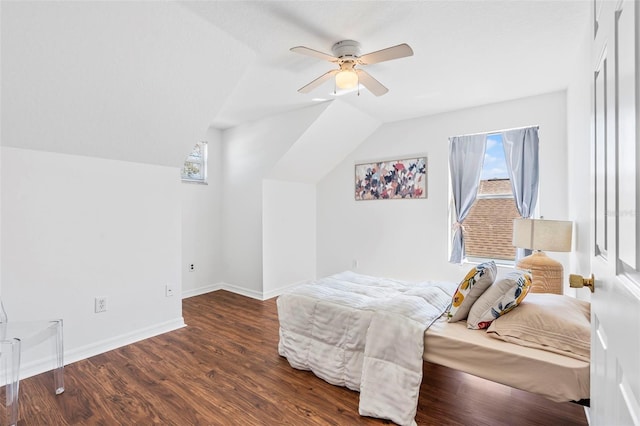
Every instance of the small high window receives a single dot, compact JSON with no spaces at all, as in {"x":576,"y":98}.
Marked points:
{"x":195,"y":165}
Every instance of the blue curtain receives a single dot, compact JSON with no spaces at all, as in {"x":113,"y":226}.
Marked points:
{"x":466,"y":156}
{"x":521,"y":154}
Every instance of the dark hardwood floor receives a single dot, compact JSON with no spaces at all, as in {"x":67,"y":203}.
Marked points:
{"x":224,"y":369}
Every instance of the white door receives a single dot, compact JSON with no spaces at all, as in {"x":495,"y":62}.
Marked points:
{"x":615,"y":262}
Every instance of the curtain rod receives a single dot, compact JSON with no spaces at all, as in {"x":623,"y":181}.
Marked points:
{"x":496,"y":131}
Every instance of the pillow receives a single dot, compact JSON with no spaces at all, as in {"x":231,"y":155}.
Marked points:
{"x":504,"y":295}
{"x":552,"y":322}
{"x":472,"y":286}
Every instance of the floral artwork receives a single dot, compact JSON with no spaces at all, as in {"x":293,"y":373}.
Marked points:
{"x":395,"y":179}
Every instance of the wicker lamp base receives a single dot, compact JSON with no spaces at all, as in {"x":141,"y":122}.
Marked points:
{"x":546,"y":273}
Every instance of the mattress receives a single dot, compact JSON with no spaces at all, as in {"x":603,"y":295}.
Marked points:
{"x":557,"y":377}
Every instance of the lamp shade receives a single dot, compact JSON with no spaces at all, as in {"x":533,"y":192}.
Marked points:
{"x":542,"y":234}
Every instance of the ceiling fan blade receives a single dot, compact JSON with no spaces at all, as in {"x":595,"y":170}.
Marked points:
{"x":318,"y":81}
{"x":371,"y":83}
{"x":395,"y":52}
{"x":314,"y":53}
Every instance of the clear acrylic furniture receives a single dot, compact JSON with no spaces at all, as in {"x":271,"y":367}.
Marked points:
{"x":19,"y":336}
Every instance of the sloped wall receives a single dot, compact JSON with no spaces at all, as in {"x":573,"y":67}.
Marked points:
{"x":337,"y":132}
{"x":284,"y":154}
{"x":249,"y":153}
{"x":101,"y":102}
{"x":132,"y":81}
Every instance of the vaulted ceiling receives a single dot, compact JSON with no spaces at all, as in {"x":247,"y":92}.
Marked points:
{"x":129,"y":81}
{"x":466,"y":53}
{"x":142,"y":81}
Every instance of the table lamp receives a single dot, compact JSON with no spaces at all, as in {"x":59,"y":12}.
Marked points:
{"x":538,"y":235}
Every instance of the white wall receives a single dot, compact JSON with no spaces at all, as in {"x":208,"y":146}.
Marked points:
{"x":202,"y":224}
{"x":281,"y":156}
{"x":75,"y":228}
{"x":249,"y":153}
{"x":127,"y":82}
{"x":289,"y":234}
{"x":579,"y":138}
{"x":408,"y":238}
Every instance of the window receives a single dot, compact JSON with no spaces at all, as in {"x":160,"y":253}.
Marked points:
{"x":488,"y":227}
{"x":481,"y":166}
{"x":195,"y":165}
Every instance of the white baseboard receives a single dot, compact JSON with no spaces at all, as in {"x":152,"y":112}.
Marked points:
{"x":242,"y":291}
{"x":279,"y":291}
{"x":201,"y":290}
{"x":223,"y":286}
{"x":46,"y":364}
{"x":237,"y":290}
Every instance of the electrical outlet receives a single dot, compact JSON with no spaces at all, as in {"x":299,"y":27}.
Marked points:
{"x":168,"y":290}
{"x":192,"y":267}
{"x":100,"y":304}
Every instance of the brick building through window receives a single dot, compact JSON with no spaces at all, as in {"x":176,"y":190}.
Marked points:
{"x":488,"y":227}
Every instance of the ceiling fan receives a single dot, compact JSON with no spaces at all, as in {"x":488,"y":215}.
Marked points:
{"x":346,"y":54}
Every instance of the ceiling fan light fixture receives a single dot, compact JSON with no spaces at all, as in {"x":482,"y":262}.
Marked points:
{"x":346,"y":54}
{"x":346,"y":79}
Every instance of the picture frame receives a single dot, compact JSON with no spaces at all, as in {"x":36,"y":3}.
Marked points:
{"x":391,"y":179}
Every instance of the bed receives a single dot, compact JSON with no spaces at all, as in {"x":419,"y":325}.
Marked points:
{"x":372,"y":335}
{"x":557,"y":377}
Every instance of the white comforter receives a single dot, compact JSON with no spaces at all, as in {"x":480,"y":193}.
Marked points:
{"x":364,"y":333}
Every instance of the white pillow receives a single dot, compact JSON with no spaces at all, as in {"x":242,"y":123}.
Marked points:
{"x":504,"y":295}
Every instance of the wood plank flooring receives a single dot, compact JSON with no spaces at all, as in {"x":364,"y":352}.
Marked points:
{"x":224,"y":369}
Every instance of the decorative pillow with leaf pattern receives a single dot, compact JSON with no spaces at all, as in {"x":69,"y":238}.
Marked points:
{"x":477,"y":280}
{"x":504,"y":295}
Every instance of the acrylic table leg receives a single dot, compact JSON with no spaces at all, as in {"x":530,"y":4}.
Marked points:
{"x":11,"y":363}
{"x":58,"y":372}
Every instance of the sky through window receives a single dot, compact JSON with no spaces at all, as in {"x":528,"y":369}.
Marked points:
{"x":495,"y":165}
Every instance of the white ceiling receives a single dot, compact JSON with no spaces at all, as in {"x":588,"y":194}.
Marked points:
{"x":466,"y":53}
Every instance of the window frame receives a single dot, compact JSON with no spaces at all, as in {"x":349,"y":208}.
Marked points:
{"x":474,"y":260}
